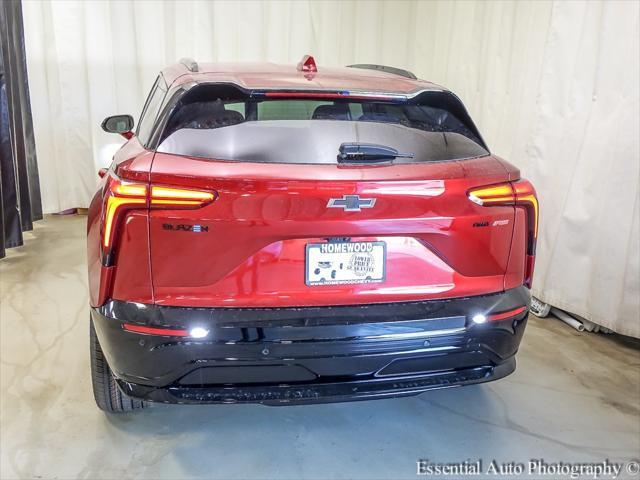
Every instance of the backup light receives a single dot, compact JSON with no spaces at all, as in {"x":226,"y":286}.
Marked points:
{"x":479,"y":318}
{"x":198,"y":332}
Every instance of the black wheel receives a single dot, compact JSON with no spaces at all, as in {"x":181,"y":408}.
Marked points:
{"x":107,"y":394}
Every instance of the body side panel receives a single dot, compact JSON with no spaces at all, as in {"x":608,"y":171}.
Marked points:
{"x":131,"y":162}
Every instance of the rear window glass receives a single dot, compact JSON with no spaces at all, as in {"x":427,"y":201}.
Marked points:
{"x":311,"y":131}
{"x":236,"y":107}
{"x":288,"y":109}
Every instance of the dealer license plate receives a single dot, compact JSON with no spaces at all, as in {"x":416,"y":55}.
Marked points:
{"x":336,"y":263}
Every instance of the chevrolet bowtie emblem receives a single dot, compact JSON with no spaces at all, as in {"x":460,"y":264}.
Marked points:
{"x":351,"y":203}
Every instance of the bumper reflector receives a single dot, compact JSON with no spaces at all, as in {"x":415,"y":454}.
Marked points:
{"x":507,"y":314}
{"x":167,"y":332}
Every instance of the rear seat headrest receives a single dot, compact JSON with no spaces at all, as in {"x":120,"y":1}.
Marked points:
{"x":337,"y":111}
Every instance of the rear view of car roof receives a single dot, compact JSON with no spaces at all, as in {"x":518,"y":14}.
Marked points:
{"x":257,"y":76}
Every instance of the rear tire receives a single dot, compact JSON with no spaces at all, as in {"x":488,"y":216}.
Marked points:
{"x":105,"y":390}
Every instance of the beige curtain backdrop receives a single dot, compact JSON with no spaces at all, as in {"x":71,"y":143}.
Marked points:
{"x":554,"y":87}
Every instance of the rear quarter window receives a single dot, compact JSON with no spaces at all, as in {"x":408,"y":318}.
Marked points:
{"x":150,"y":110}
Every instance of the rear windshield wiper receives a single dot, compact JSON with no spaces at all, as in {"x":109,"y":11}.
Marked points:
{"x":368,"y":153}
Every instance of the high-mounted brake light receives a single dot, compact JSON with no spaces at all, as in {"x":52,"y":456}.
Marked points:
{"x":307,"y":64}
{"x":520,"y":194}
{"x":344,"y":95}
{"x":121,"y":196}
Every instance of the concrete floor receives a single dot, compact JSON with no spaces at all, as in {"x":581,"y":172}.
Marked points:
{"x":574,"y":397}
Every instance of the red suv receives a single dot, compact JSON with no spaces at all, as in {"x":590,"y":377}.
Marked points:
{"x":281,"y":234}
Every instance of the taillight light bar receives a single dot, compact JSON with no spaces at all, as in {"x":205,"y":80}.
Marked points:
{"x":169,"y":197}
{"x":121,"y":196}
{"x":520,"y":194}
{"x":501,"y":194}
{"x":526,"y":196}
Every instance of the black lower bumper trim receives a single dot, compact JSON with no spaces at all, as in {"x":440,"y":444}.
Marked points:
{"x":320,"y":393}
{"x":311,"y":354}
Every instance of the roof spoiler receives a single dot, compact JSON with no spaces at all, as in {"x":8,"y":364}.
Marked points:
{"x":386,"y":69}
{"x":190,"y":64}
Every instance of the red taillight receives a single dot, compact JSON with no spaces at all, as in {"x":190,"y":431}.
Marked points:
{"x":122,"y":196}
{"x":520,"y":194}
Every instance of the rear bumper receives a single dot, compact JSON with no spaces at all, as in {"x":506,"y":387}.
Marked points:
{"x":312,"y":354}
